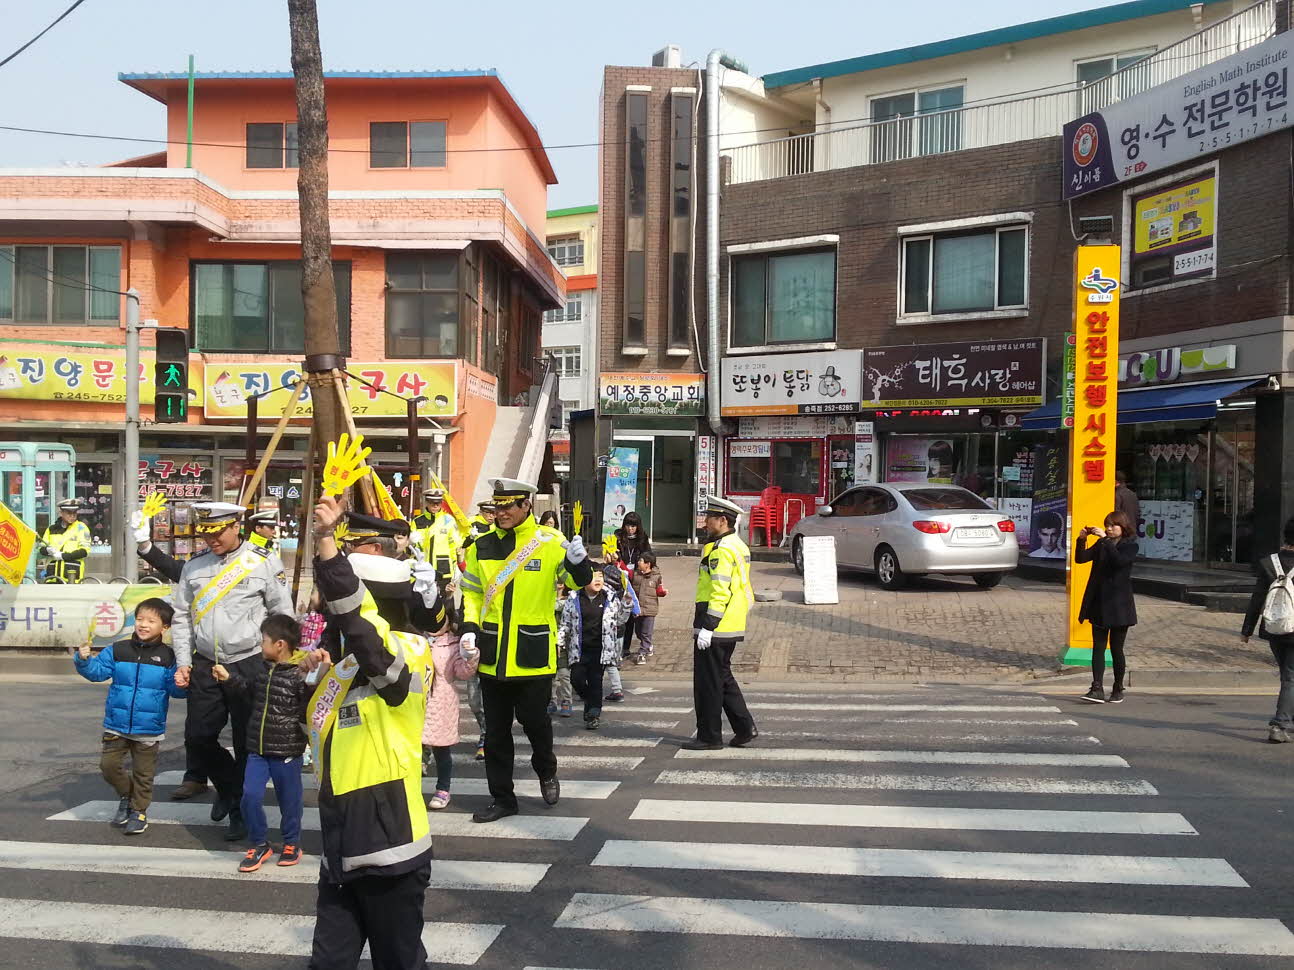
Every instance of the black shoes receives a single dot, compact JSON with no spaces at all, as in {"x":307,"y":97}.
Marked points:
{"x":496,"y":811}
{"x":1095,"y":695}
{"x":696,"y":744}
{"x":219,"y":809}
{"x":237,"y":827}
{"x":742,"y":740}
{"x":123,"y":813}
{"x":593,"y":723}
{"x":551,"y":789}
{"x":1278,"y":735}
{"x":1116,"y":696}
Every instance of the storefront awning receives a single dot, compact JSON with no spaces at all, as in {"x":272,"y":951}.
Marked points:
{"x":1179,"y":402}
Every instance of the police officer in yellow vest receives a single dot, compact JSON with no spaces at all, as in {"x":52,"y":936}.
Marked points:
{"x":508,"y":613}
{"x":264,"y":532}
{"x":365,"y":722}
{"x":67,"y":543}
{"x":440,"y":536}
{"x":723,"y":598}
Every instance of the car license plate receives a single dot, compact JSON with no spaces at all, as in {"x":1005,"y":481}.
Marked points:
{"x":985,"y":533}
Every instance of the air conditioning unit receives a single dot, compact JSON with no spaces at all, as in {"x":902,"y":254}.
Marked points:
{"x":668,"y":56}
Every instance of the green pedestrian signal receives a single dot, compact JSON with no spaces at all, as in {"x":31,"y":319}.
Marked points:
{"x":171,"y":377}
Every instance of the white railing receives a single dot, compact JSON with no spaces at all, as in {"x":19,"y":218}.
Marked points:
{"x":999,"y":122}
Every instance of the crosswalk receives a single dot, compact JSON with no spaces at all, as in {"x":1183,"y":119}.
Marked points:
{"x":947,"y":821}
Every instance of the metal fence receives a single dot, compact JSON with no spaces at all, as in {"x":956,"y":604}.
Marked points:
{"x":999,"y":122}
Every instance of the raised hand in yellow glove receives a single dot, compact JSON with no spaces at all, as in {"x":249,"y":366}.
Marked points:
{"x":346,"y":464}
{"x":154,"y":503}
{"x":577,"y":518}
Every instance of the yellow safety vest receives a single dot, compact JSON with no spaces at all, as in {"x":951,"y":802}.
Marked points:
{"x":723,"y":591}
{"x":73,"y":538}
{"x":440,"y":538}
{"x":369,"y":758}
{"x":509,"y":598}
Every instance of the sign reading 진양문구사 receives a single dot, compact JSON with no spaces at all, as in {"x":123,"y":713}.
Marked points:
{"x":817,"y":383}
{"x":229,"y":386}
{"x":1092,"y":438}
{"x":652,"y":395}
{"x":983,"y":373}
{"x":1233,"y":100}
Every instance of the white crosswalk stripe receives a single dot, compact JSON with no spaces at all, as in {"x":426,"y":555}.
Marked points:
{"x":461,"y":944}
{"x":608,"y":761}
{"x":949,"y":783}
{"x":895,"y":736}
{"x":577,"y":788}
{"x":1007,"y":758}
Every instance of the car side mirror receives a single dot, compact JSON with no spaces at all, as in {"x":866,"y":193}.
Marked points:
{"x":824,"y":510}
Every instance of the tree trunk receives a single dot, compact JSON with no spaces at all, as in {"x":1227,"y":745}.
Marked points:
{"x":317,"y":285}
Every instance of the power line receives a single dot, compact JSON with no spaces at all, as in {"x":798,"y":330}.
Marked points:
{"x":42,"y":33}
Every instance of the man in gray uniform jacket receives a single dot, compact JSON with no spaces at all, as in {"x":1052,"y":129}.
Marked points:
{"x":220,"y":601}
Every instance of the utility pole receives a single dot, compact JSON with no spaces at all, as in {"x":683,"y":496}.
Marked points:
{"x":318,"y":289}
{"x":130,"y":493}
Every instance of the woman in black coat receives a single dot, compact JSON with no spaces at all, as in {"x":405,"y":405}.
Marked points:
{"x":1281,"y":726}
{"x":1107,"y":601}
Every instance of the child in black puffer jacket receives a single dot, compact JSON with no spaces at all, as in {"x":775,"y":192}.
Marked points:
{"x":276,"y":740}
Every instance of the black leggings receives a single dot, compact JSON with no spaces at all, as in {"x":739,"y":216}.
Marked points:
{"x":1117,"y":636}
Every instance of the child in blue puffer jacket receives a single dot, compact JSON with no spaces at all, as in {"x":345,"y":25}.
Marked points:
{"x":142,"y":671}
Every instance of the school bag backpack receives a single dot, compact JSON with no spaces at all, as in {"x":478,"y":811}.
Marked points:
{"x":1278,"y":608}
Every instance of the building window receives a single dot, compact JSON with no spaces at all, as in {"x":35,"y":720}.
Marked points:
{"x":258,"y":307}
{"x":567,"y":360}
{"x":784,"y":298}
{"x":60,"y":284}
{"x":1086,"y":72}
{"x":965,"y":272}
{"x":272,"y":145}
{"x":571,"y":313}
{"x":683,"y":115}
{"x":568,"y":408}
{"x":916,"y":123}
{"x":635,"y":271}
{"x":413,"y":144}
{"x":1173,"y":230}
{"x":794,"y":466}
{"x":567,"y":250}
{"x":1090,"y":71}
{"x":422,"y":309}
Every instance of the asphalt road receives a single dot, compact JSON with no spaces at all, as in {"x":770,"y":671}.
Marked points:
{"x":894,"y":827}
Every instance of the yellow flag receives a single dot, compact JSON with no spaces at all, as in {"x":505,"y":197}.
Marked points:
{"x":386,"y":506}
{"x":16,"y":543}
{"x":463,"y":524}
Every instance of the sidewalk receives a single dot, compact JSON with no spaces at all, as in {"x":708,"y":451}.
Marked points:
{"x":945,"y":630}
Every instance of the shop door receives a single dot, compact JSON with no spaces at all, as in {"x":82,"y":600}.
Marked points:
{"x":673,"y":486}
{"x":1231,"y":519}
{"x":631,"y":493}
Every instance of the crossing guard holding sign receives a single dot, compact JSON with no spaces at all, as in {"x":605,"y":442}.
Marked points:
{"x":508,"y":614}
{"x":67,"y":541}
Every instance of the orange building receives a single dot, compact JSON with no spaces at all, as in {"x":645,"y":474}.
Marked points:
{"x":438,"y":193}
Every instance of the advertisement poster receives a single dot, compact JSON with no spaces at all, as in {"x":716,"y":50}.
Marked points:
{"x":865,"y":464}
{"x":1167,"y":531}
{"x":228,"y":386}
{"x":820,"y":383}
{"x":1020,"y":511}
{"x":655,"y":395}
{"x":96,"y":378}
{"x":926,"y":461}
{"x":1226,"y":103}
{"x":622,"y":488}
{"x":1002,"y":373}
{"x":1047,"y":538}
{"x":1178,"y":222}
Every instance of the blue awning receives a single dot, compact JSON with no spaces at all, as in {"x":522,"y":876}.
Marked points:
{"x":1177,"y":402}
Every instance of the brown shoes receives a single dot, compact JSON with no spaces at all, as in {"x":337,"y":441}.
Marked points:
{"x":188,"y":790}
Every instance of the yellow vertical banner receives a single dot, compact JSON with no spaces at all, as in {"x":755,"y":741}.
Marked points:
{"x":1092,"y":440}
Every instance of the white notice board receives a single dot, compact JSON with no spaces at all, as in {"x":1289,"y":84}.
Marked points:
{"x":820,"y":570}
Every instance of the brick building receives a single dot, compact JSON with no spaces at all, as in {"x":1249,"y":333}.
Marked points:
{"x":438,"y":186}
{"x":890,"y":223}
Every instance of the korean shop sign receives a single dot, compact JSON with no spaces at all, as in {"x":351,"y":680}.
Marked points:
{"x":1003,"y":372}
{"x":229,"y":386}
{"x":1092,"y":438}
{"x":1231,"y":101}
{"x":664,"y":395}
{"x":87,"y":378}
{"x":821,"y":383}
{"x":1173,"y":363}
{"x":1172,"y":233}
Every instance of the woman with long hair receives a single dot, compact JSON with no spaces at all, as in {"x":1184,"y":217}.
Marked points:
{"x":1107,"y":601}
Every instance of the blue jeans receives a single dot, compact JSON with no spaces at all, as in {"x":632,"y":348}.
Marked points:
{"x":288,"y":790}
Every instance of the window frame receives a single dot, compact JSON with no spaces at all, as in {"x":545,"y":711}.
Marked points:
{"x":735,"y":256}
{"x":408,"y":145}
{"x":464,"y":330}
{"x":1113,"y":57}
{"x":570,"y":243}
{"x":572,"y":312}
{"x":563,"y":358}
{"x":199,"y":345}
{"x":823,"y":458}
{"x":913,"y":130}
{"x":9,"y":264}
{"x":1012,"y":222}
{"x":284,"y":151}
{"x":1153,"y":186}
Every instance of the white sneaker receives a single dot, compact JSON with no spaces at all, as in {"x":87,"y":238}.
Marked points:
{"x":438,"y":801}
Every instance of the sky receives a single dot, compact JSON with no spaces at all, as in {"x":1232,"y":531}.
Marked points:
{"x":551,"y":56}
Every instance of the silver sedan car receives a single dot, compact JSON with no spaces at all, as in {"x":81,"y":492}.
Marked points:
{"x":902,"y":530}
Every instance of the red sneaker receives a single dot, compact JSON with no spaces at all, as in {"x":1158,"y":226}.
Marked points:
{"x":255,"y":856}
{"x":290,"y":855}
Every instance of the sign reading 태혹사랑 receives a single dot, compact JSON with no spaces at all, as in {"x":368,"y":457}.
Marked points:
{"x":672,"y":395}
{"x":816,"y":383}
{"x":1233,"y":100}
{"x":1005,"y":372}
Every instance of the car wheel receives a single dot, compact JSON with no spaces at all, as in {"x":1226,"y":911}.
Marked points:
{"x":797,"y":554}
{"x":987,"y":580}
{"x":888,"y":572}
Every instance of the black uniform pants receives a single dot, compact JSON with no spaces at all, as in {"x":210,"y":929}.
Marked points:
{"x":715,"y":692}
{"x":586,"y":678}
{"x":383,"y":911}
{"x":526,"y":701}
{"x":211,"y":705}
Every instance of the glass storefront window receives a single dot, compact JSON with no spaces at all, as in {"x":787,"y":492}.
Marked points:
{"x":749,"y":474}
{"x":797,"y":466}
{"x":94,"y":490}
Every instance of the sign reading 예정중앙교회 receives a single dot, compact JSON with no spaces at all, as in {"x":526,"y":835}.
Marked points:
{"x":1230,"y":101}
{"x":829,"y":382}
{"x":653,"y":395}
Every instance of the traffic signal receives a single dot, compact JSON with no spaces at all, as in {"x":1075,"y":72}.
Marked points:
{"x":171,"y":377}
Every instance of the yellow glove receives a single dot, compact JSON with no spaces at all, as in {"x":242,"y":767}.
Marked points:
{"x":154,"y":503}
{"x":346,"y":464}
